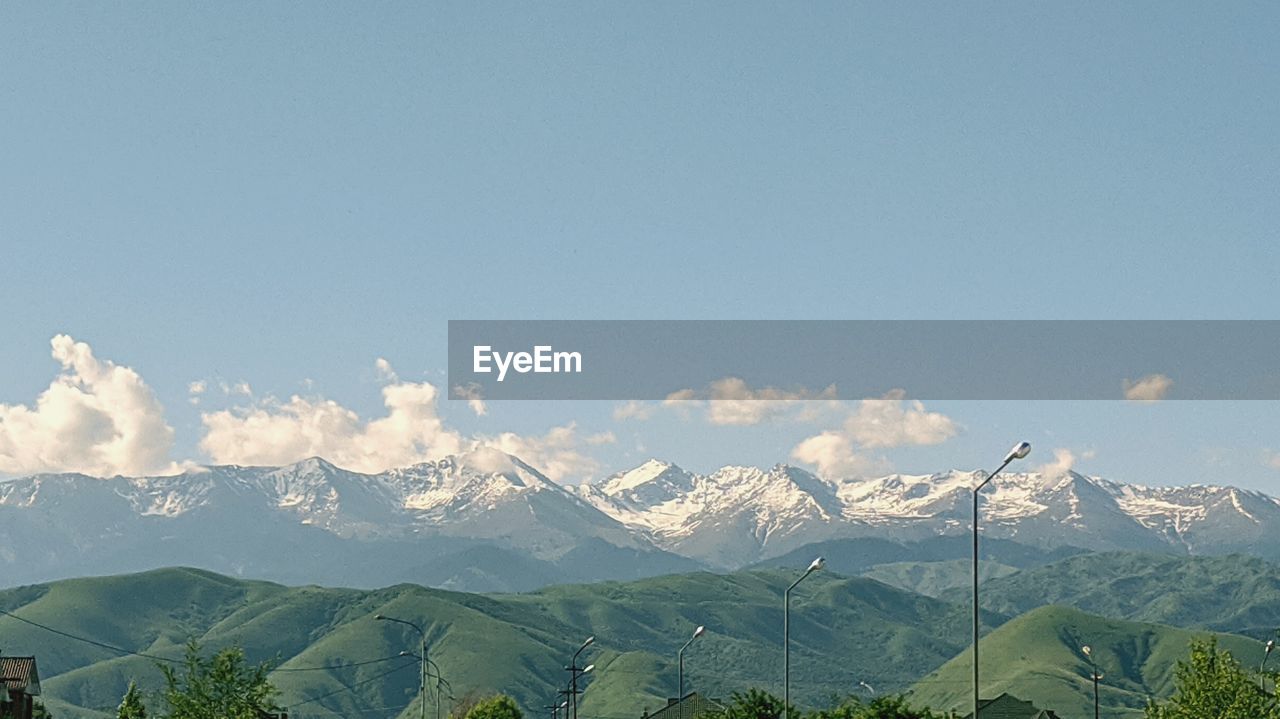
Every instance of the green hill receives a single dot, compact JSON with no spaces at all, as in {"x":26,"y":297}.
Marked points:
{"x":1037,"y":657}
{"x":1235,"y":593}
{"x":843,"y":631}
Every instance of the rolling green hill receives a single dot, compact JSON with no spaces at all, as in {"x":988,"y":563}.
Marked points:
{"x":843,"y":631}
{"x":1037,"y":657}
{"x":1235,"y":593}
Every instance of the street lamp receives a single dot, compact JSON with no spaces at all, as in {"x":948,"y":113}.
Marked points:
{"x":1019,"y":451}
{"x":1262,"y":678}
{"x":1094,"y":674}
{"x":422,"y":660}
{"x":570,"y":704}
{"x":814,"y":566}
{"x":441,"y":682}
{"x":696,"y":633}
{"x":573,"y":677}
{"x":870,"y":689}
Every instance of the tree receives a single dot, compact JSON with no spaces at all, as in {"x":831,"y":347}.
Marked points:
{"x":223,"y":686}
{"x":131,"y":705}
{"x":883,"y":707}
{"x":496,"y":707}
{"x":460,"y":708}
{"x":1211,"y":683}
{"x":754,"y":704}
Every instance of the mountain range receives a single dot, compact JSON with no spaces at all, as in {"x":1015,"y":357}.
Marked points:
{"x":491,"y":522}
{"x":93,"y":635}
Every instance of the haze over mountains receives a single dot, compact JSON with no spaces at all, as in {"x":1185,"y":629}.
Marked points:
{"x":490,"y":522}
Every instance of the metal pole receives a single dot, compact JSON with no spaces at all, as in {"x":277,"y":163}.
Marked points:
{"x":786,"y":653}
{"x":976,"y":617}
{"x":1095,"y":692}
{"x":422,"y":704}
{"x":680,"y":694}
{"x":786,"y":638}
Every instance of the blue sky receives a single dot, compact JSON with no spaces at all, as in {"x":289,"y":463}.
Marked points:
{"x":259,"y":193}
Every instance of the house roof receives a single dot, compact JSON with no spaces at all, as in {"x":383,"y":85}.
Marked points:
{"x":1007,"y":706}
{"x":692,"y":705}
{"x":19,"y":674}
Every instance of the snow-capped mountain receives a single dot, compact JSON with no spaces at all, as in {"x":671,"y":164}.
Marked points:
{"x":737,"y":515}
{"x":312,"y":521}
{"x":488,"y":521}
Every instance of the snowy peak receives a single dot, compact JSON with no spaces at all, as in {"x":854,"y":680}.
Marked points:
{"x":738,"y":514}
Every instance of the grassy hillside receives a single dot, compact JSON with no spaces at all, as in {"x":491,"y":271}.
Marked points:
{"x":1037,"y":657}
{"x":843,"y":630}
{"x":1234,"y":593}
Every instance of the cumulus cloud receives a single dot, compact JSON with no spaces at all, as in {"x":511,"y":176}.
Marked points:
{"x":731,"y":401}
{"x":834,"y":455}
{"x":271,"y":432}
{"x":471,"y":393}
{"x":895,"y":422}
{"x":633,"y":410}
{"x":1064,"y":461}
{"x":279,"y":432}
{"x":556,"y":454}
{"x":1151,"y":388}
{"x":884,"y":423}
{"x":96,"y":417}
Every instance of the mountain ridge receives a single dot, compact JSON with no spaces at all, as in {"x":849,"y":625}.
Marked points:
{"x":652,"y":519}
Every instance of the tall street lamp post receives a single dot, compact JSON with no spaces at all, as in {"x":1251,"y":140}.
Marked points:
{"x":1262,"y":668}
{"x":422,"y":657}
{"x":1019,"y":451}
{"x":1094,"y":674}
{"x":696,"y":633}
{"x":814,"y":566}
{"x":573,"y":677}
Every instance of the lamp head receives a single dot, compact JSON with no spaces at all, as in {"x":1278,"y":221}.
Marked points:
{"x":1271,"y":645}
{"x":590,"y":640}
{"x":1088,"y":651}
{"x":587,"y":669}
{"x":698,"y":632}
{"x":1019,"y":451}
{"x":378,"y":616}
{"x":816,"y":564}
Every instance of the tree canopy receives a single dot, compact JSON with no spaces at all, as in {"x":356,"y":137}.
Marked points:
{"x":223,"y":686}
{"x":1211,"y":683}
{"x":496,"y":707}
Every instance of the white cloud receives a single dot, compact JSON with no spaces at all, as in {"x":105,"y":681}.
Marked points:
{"x":272,"y":432}
{"x":384,"y":370}
{"x":555,"y":454}
{"x":884,"y":423}
{"x":471,"y":393}
{"x":833,"y":454}
{"x":634,"y":410}
{"x":96,"y":417}
{"x":1063,"y":461}
{"x":894,"y":422}
{"x":731,"y":401}
{"x":1150,"y":388}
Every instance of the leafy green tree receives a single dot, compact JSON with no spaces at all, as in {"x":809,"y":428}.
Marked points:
{"x":497,"y":707}
{"x":1211,"y":684}
{"x":131,"y":706}
{"x":884,"y":707}
{"x":223,"y":686}
{"x":754,"y":704}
